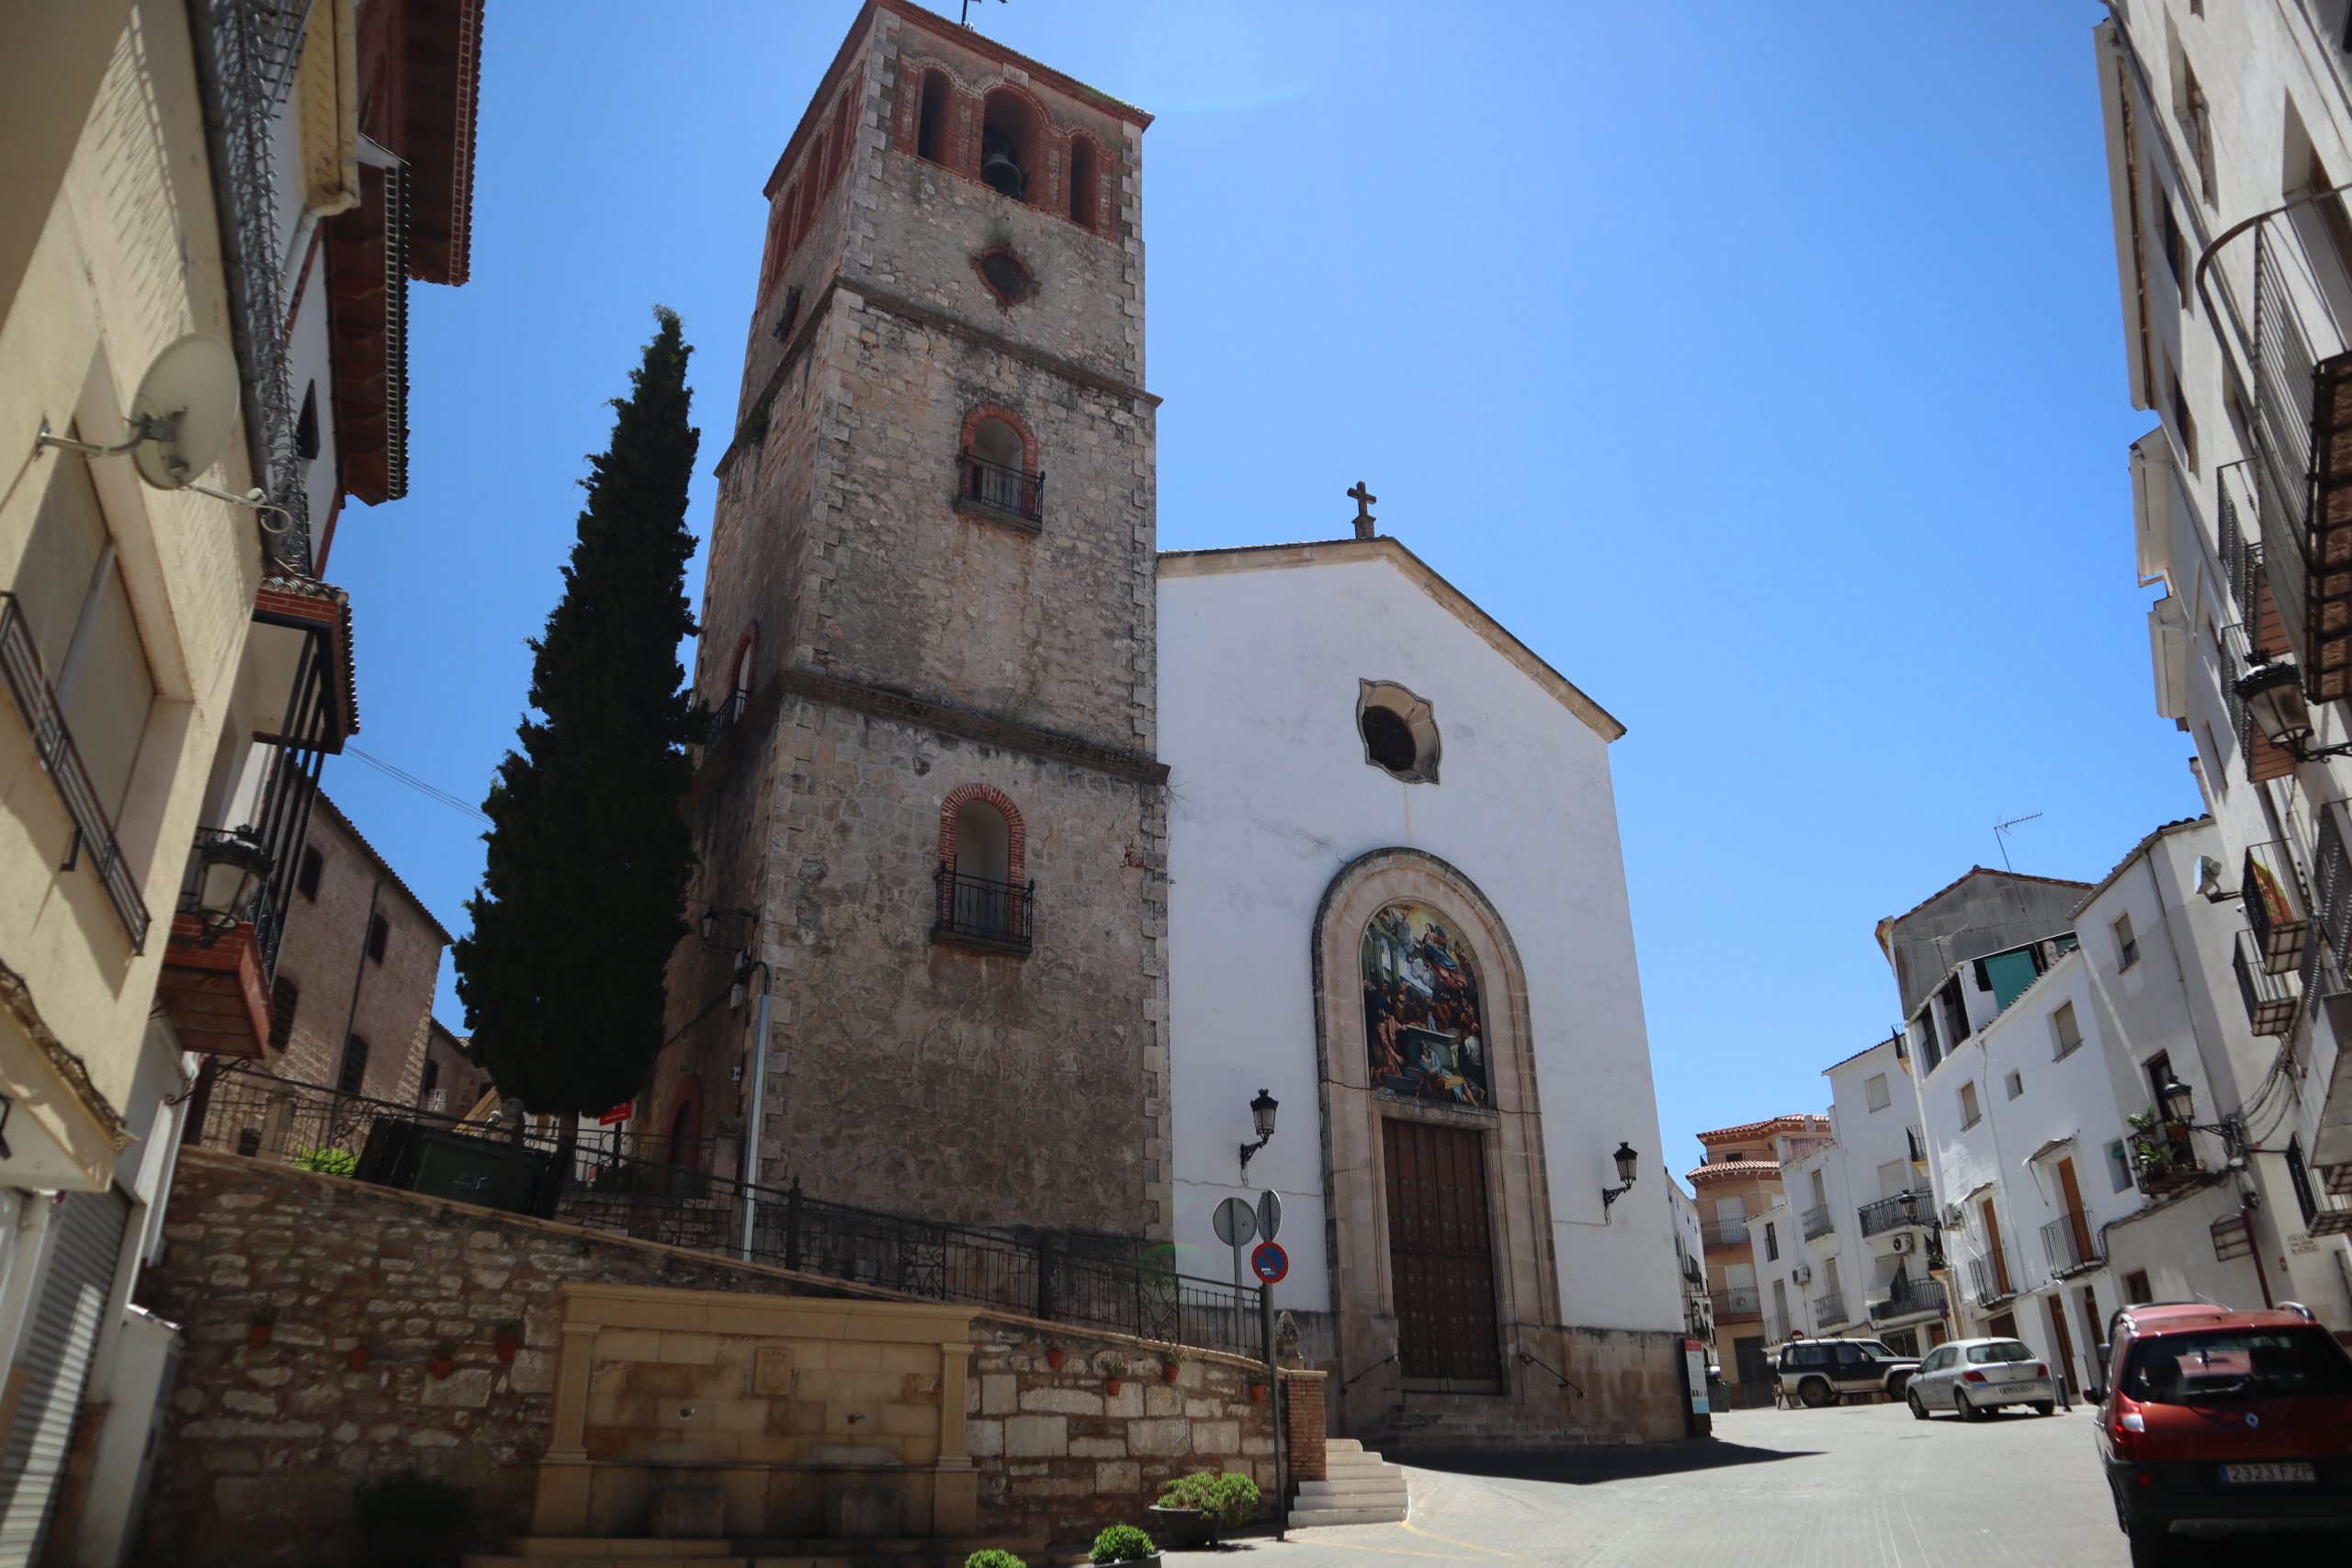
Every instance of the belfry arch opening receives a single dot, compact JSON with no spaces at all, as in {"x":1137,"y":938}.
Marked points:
{"x":931,"y":122}
{"x":1082,"y":176}
{"x":1008,"y":143}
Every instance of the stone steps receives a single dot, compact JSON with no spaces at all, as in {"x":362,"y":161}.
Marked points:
{"x":1358,"y":1488}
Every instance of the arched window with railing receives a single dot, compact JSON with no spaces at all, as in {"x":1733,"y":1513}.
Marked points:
{"x":984,"y":897}
{"x":736,"y":694}
{"x":997,"y":466}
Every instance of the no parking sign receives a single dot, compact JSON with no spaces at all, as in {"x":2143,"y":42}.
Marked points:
{"x":1268,"y":1261}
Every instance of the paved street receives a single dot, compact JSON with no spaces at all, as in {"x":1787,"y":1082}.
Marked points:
{"x":1777,"y":1489}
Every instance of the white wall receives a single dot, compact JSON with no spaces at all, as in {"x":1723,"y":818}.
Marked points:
{"x":1271,"y":797}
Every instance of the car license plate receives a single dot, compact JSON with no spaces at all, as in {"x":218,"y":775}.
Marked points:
{"x":2259,"y":1475}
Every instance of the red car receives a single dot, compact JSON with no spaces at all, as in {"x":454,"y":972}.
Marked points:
{"x":2220,"y":1423}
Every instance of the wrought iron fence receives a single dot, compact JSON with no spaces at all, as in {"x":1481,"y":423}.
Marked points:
{"x":1909,"y":1296}
{"x":1817,"y":1220}
{"x":1723,"y":1232}
{"x":636,"y":1185}
{"x":1001,"y":488}
{"x":1738,"y":1301}
{"x":1829,"y":1311}
{"x":2332,"y":882}
{"x":976,"y":908}
{"x":54,"y":750}
{"x":1891,"y":1214}
{"x":2069,"y":1244}
{"x":2272,"y":1001}
{"x":724,"y":716}
{"x":1990,"y":1278}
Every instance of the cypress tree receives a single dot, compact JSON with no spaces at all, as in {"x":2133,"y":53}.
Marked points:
{"x":581,"y":900}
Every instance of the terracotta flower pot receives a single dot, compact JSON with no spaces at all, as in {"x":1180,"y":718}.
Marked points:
{"x":1256,"y":1393}
{"x":258,"y":1333}
{"x":1055,"y":1356}
{"x":359,"y":1358}
{"x":1111,"y":1387}
{"x":1168,"y":1371}
{"x":440,"y":1368}
{"x":506,"y":1348}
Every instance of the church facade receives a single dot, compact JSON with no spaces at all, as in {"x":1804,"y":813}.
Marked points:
{"x":934,"y":813}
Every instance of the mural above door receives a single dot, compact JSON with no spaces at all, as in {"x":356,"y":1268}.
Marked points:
{"x":1421,"y":1010}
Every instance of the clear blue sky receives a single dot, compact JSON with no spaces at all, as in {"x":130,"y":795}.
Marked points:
{"x":1760,"y":367}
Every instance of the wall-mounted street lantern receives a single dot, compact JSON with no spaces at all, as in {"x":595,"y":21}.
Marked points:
{"x":1261,"y":1117}
{"x":229,"y":871}
{"x":2273,"y":694}
{"x":1626,"y":1160}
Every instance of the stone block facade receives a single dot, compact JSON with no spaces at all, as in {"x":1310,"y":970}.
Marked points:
{"x":260,"y":1445}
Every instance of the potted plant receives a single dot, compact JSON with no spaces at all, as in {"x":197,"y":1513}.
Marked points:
{"x":1054,"y":1355}
{"x":1120,"y":1543}
{"x":444,"y":1362}
{"x":1111,"y":1386}
{"x":409,"y":1520}
{"x":509,"y":1340}
{"x":1168,"y":1369}
{"x":359,"y":1358}
{"x":1257,"y":1390}
{"x":1194,"y":1508}
{"x":258,"y":1327}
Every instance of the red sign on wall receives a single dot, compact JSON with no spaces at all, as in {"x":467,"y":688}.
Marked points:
{"x":618,"y":1114}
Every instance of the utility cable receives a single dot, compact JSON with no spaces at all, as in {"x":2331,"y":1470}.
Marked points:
{"x":403,"y":776}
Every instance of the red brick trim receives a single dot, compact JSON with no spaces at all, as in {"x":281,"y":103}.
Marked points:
{"x":1016,"y":831}
{"x":1048,"y":151}
{"x":739,"y":675}
{"x":1103,"y":219}
{"x":998,"y":412}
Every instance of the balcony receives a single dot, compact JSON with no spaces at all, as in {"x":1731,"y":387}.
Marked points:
{"x":2163,"y":1159}
{"x":1909,"y":1298}
{"x":1816,"y":1222}
{"x":724,"y":717}
{"x":54,"y":750}
{"x":1829,"y":1311}
{"x":1000,"y":490}
{"x":1716,"y":1233}
{"x":2069,"y":1244}
{"x":2272,"y":1001}
{"x":2276,"y":910}
{"x":1738,"y":1301}
{"x":973,"y":911}
{"x":1917,"y":1143}
{"x":1888,"y":1214}
{"x":1991,"y":1280}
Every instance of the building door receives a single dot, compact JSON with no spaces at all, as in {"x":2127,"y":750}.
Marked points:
{"x":1441,"y":1259}
{"x":83,"y":1245}
{"x":2001,"y":1326}
{"x":1999,"y":1253}
{"x":2078,"y":1223}
{"x":1755,"y":1373}
{"x":2065,"y":1341}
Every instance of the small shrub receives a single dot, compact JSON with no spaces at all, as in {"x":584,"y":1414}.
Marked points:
{"x":1120,"y":1543}
{"x":1223,"y":1500}
{"x":992,"y":1558}
{"x":327,"y":1162}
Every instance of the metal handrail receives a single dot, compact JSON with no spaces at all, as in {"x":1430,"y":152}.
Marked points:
{"x":55,"y":749}
{"x":1000,"y":486}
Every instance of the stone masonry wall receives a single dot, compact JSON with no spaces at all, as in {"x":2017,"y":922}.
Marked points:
{"x":260,"y":1448}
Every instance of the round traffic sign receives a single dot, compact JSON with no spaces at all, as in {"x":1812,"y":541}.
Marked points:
{"x":1236,"y":1221}
{"x":1269,"y":1214}
{"x":1268,"y":1261}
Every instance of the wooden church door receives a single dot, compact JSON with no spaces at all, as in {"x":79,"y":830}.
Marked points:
{"x":1440,"y":1255}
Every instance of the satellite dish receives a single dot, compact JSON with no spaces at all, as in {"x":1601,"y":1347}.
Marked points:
{"x":2209,"y":878}
{"x":185,"y":412}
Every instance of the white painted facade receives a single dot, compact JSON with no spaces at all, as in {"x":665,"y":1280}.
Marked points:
{"x":1691,"y":1262}
{"x":1260,"y":657}
{"x":2230,"y":123}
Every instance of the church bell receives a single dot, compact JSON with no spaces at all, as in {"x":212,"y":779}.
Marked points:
{"x":998,"y":170}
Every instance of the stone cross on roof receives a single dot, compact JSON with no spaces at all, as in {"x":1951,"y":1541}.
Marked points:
{"x":1364,"y":519}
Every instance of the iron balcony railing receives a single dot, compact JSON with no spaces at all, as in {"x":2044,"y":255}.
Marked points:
{"x":1817,"y":1220}
{"x":1829,"y":1311}
{"x":1917,"y":1144}
{"x":261,"y":914}
{"x":1738,"y":1301}
{"x":2332,"y":883}
{"x":1888,"y":1214}
{"x":54,"y":750}
{"x":1990,"y":1278}
{"x":974,"y":908}
{"x":999,"y":487}
{"x":724,"y":717}
{"x":1723,"y":1232}
{"x":1908,"y":1297}
{"x":2069,"y":1243}
{"x":642,"y":1187}
{"x":2272,"y":1001}
{"x":2275,"y":907}
{"x":2163,"y":1156}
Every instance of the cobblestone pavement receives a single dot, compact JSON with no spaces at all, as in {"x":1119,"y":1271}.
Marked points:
{"x":1861,"y":1485}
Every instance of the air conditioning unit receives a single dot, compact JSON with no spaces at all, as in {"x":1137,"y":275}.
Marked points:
{"x":1904,"y":1241}
{"x":1802,"y":1273}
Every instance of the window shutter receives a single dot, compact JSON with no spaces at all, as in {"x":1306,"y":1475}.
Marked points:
{"x":69,"y":534}
{"x":108,"y":704}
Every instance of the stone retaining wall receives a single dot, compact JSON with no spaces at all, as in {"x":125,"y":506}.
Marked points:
{"x":260,"y":1448}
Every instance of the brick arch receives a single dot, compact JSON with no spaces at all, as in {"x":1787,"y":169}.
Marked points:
{"x":979,"y":412}
{"x":741,"y":666}
{"x":1017,"y":830}
{"x":1103,"y":210}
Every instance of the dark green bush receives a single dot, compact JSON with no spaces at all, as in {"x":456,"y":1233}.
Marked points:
{"x":992,"y":1558}
{"x":1120,"y":1543}
{"x":1222,"y":1499}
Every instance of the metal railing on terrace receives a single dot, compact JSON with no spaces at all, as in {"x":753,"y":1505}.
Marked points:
{"x":1817,"y":1220}
{"x":2272,"y":1001}
{"x":1909,"y":1297}
{"x":1991,"y":1280}
{"x":724,"y":717}
{"x":56,"y":755}
{"x":1738,"y":1301}
{"x":974,"y":908}
{"x":1000,"y":488}
{"x":1716,"y":1233}
{"x":2276,"y":909}
{"x":633,"y":1185}
{"x":1888,"y":1214}
{"x":2069,"y":1243}
{"x":1829,"y":1311}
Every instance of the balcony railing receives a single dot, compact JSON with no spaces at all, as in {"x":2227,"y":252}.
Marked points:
{"x":1917,"y":1144}
{"x":1829,"y":1311}
{"x":1776,"y":1329}
{"x":1991,"y":1280}
{"x":999,"y":487}
{"x":2275,"y":907}
{"x":2272,"y":1001}
{"x":2332,"y":883}
{"x":1908,"y":1297}
{"x":1716,"y":1233}
{"x":53,"y":748}
{"x":1739,"y":1301}
{"x":2163,"y":1156}
{"x":1888,"y":1214}
{"x":724,"y":717}
{"x":1817,"y":1221}
{"x":2069,"y":1243}
{"x":975,"y":909}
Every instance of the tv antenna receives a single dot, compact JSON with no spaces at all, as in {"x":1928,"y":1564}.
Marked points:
{"x":2001,"y":837}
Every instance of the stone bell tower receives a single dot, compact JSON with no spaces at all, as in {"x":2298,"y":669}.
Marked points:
{"x":930,"y":804}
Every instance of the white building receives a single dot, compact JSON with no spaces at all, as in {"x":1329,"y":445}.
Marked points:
{"x":1399,"y":905}
{"x":2229,"y":137}
{"x":1691,"y":1263}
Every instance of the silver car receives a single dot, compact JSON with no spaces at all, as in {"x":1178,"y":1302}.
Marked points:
{"x":1976,"y":1377}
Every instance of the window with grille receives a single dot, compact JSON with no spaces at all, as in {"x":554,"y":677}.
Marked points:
{"x":284,"y":998}
{"x":354,"y":1070}
{"x":378,"y":932}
